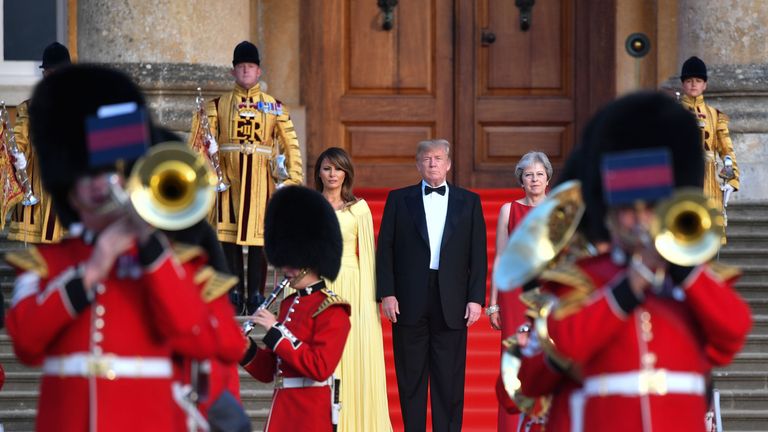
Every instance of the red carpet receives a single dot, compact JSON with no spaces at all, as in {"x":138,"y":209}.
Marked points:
{"x":480,"y":406}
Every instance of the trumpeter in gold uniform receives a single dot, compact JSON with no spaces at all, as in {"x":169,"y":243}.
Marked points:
{"x":715,"y":135}
{"x":251,"y":129}
{"x":36,"y":223}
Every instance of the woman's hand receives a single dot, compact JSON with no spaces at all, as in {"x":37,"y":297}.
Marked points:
{"x":495,"y":319}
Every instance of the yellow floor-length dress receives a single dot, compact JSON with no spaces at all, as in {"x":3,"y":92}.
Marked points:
{"x":363,"y":376}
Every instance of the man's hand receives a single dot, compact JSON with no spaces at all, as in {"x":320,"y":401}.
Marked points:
{"x":390,"y":308}
{"x":263,"y":318}
{"x":112,"y":242}
{"x":472,"y":313}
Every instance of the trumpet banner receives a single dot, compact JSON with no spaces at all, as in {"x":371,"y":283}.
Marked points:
{"x":12,"y":191}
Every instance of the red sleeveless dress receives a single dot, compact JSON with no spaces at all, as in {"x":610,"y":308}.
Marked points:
{"x":512,"y":312}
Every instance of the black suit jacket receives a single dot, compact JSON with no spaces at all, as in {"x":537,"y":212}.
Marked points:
{"x":403,"y":254}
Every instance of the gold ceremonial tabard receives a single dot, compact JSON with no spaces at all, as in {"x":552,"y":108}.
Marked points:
{"x":37,"y":223}
{"x":717,"y":143}
{"x":251,"y":127}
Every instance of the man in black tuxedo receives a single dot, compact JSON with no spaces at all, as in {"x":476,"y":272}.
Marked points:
{"x":431,"y":269}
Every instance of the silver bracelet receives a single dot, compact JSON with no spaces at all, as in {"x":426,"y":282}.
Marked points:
{"x":492,"y":309}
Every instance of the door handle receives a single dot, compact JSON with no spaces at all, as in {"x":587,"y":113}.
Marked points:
{"x":526,"y":9}
{"x":487,"y":37}
{"x":388,"y":10}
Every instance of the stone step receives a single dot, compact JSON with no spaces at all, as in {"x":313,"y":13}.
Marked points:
{"x":748,"y":362}
{"x":756,"y":343}
{"x":740,"y":380}
{"x":744,"y":420}
{"x":23,"y":420}
{"x":18,"y":420}
{"x":744,"y":255}
{"x":21,"y":381}
{"x":744,"y":400}
{"x":754,"y":273}
{"x":17,"y":399}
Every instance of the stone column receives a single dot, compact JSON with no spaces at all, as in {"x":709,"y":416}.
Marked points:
{"x":170,"y":47}
{"x":730,"y":36}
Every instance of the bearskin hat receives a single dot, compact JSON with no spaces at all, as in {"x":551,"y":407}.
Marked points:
{"x":55,"y":55}
{"x":694,"y":67}
{"x":640,"y":121}
{"x":245,"y":52}
{"x":301,"y":231}
{"x":58,"y":110}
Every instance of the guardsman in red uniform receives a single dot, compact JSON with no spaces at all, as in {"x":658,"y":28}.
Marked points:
{"x":304,"y":344}
{"x":648,"y":337}
{"x":98,"y":311}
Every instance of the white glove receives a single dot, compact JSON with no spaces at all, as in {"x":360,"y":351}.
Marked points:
{"x":727,"y":191}
{"x":213,"y":146}
{"x":20,"y":161}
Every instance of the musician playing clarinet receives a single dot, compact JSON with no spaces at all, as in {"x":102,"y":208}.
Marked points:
{"x":303,"y":346}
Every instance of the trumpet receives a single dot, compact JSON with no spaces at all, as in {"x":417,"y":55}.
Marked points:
{"x":13,"y":150}
{"x":170,"y":188}
{"x":687,"y":227}
{"x":211,"y":147}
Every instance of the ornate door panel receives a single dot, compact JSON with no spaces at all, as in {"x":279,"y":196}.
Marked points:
{"x":438,"y":73}
{"x":381,"y":91}
{"x":524,"y":95}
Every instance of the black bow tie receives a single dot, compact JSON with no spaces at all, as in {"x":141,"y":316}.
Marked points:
{"x":428,"y":190}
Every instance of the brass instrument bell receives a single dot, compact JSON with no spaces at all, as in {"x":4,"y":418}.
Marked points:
{"x":171,"y":187}
{"x":541,"y":235}
{"x":687,"y":228}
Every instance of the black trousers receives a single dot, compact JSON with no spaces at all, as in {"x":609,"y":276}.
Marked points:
{"x":430,"y":353}
{"x":257,"y":272}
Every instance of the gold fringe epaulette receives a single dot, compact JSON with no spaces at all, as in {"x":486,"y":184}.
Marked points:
{"x":186,"y":252}
{"x":215,"y":284}
{"x":28,"y":259}
{"x":331,"y":299}
{"x":724,"y":271}
{"x":572,"y":276}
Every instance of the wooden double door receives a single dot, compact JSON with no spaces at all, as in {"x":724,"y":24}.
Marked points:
{"x":463,"y":70}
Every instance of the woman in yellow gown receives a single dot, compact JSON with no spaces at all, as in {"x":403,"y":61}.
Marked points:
{"x":363,"y":378}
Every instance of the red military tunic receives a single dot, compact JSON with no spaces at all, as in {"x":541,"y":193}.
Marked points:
{"x":307,"y":342}
{"x":645,"y":361}
{"x":222,"y":336}
{"x":106,"y":354}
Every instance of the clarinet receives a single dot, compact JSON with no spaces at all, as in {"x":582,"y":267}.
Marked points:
{"x":248,"y":326}
{"x":13,"y":149}
{"x":221,"y":186}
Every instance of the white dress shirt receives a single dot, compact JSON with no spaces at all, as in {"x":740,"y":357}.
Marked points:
{"x":435,"y":209}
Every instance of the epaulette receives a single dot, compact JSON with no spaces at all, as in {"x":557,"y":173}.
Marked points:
{"x":28,"y":259}
{"x":186,"y":252}
{"x":572,"y":276}
{"x":215,"y":284}
{"x":22,"y":110}
{"x":724,"y":271}
{"x":331,"y":299}
{"x":722,"y":117}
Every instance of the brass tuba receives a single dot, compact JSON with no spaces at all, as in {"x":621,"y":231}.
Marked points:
{"x":540,"y":237}
{"x":687,"y":227}
{"x":171,"y":187}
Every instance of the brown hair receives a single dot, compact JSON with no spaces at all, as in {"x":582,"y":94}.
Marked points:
{"x":340,"y":159}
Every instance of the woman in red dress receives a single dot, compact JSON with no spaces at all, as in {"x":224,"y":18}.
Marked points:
{"x":505,"y":310}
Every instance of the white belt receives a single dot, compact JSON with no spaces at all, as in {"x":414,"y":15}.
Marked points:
{"x":247,"y":148}
{"x":107,"y":366}
{"x":299,"y":382}
{"x":648,"y":382}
